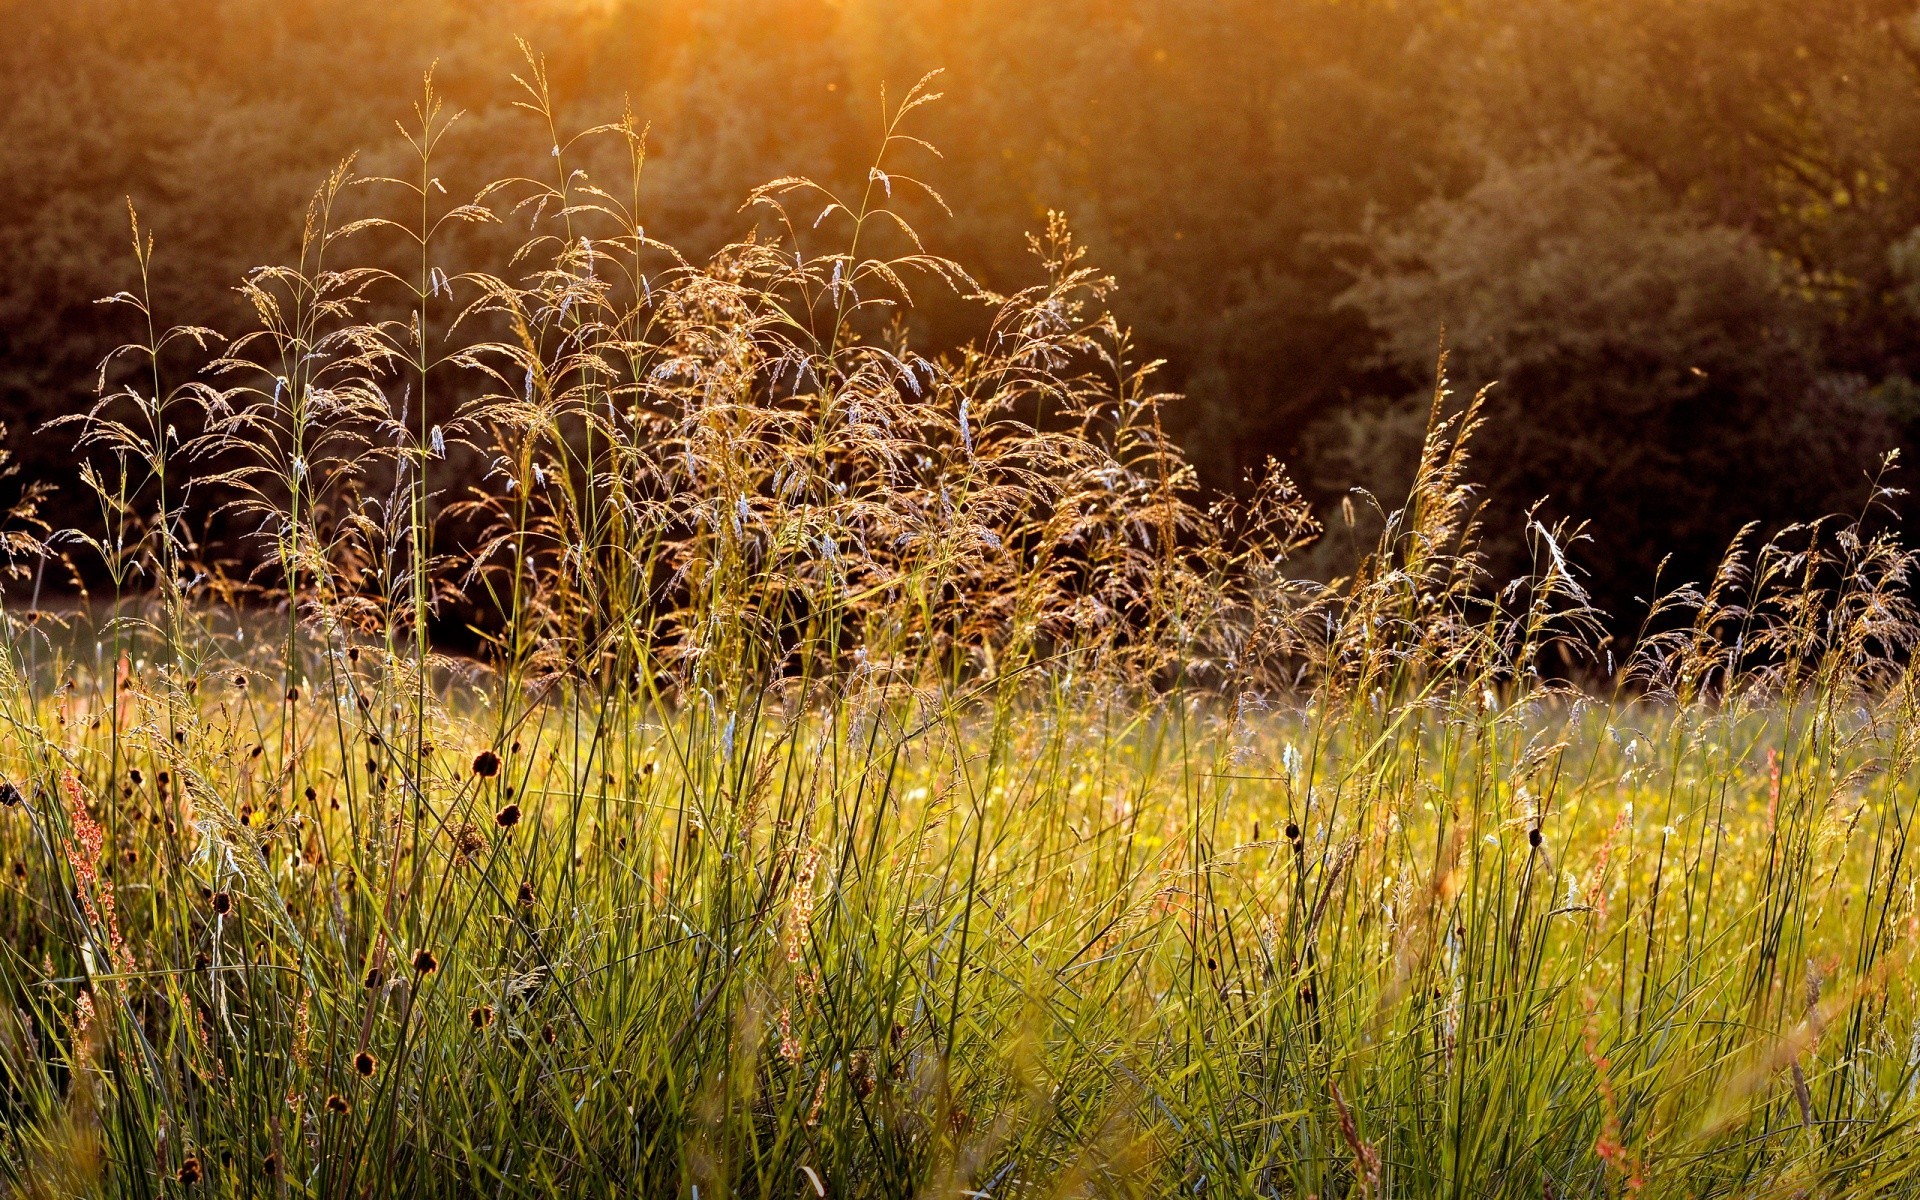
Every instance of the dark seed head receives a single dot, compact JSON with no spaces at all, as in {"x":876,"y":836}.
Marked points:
{"x":481,"y":1016}
{"x":9,"y":795}
{"x":189,"y":1172}
{"x":337,"y":1103}
{"x":1293,"y":832}
{"x":1533,"y":836}
{"x":222,"y":903}
{"x":239,"y":679}
{"x":270,"y":1165}
{"x":424,"y":962}
{"x":547,"y":1035}
{"x":311,"y":794}
{"x":375,"y":977}
{"x":507,"y":817}
{"x":526,"y":895}
{"x":135,"y":776}
{"x":364,"y":1065}
{"x":486,"y":764}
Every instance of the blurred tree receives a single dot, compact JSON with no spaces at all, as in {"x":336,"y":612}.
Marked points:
{"x":1656,"y":372}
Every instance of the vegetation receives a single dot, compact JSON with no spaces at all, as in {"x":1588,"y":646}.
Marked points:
{"x":878,"y":774}
{"x":1297,"y":194}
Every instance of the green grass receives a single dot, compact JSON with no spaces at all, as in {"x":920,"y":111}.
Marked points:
{"x":880,"y":777}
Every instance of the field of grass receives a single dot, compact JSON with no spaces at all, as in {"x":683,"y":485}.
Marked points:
{"x":880,"y":777}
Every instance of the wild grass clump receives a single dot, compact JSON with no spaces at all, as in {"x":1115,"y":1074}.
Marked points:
{"x":878,"y":775}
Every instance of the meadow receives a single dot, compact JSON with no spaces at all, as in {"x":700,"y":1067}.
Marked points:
{"x":877,"y":774}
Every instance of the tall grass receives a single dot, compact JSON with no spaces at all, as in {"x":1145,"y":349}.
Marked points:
{"x":881,"y":776}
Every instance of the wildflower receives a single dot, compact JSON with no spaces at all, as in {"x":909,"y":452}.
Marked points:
{"x":486,"y":764}
{"x":189,"y":1172}
{"x":424,"y":962}
{"x":789,"y":1044}
{"x":468,"y":842}
{"x":860,"y":1066}
{"x":507,"y":817}
{"x":364,"y":1065}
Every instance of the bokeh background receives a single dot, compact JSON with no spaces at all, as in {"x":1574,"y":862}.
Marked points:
{"x":1683,"y":235}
